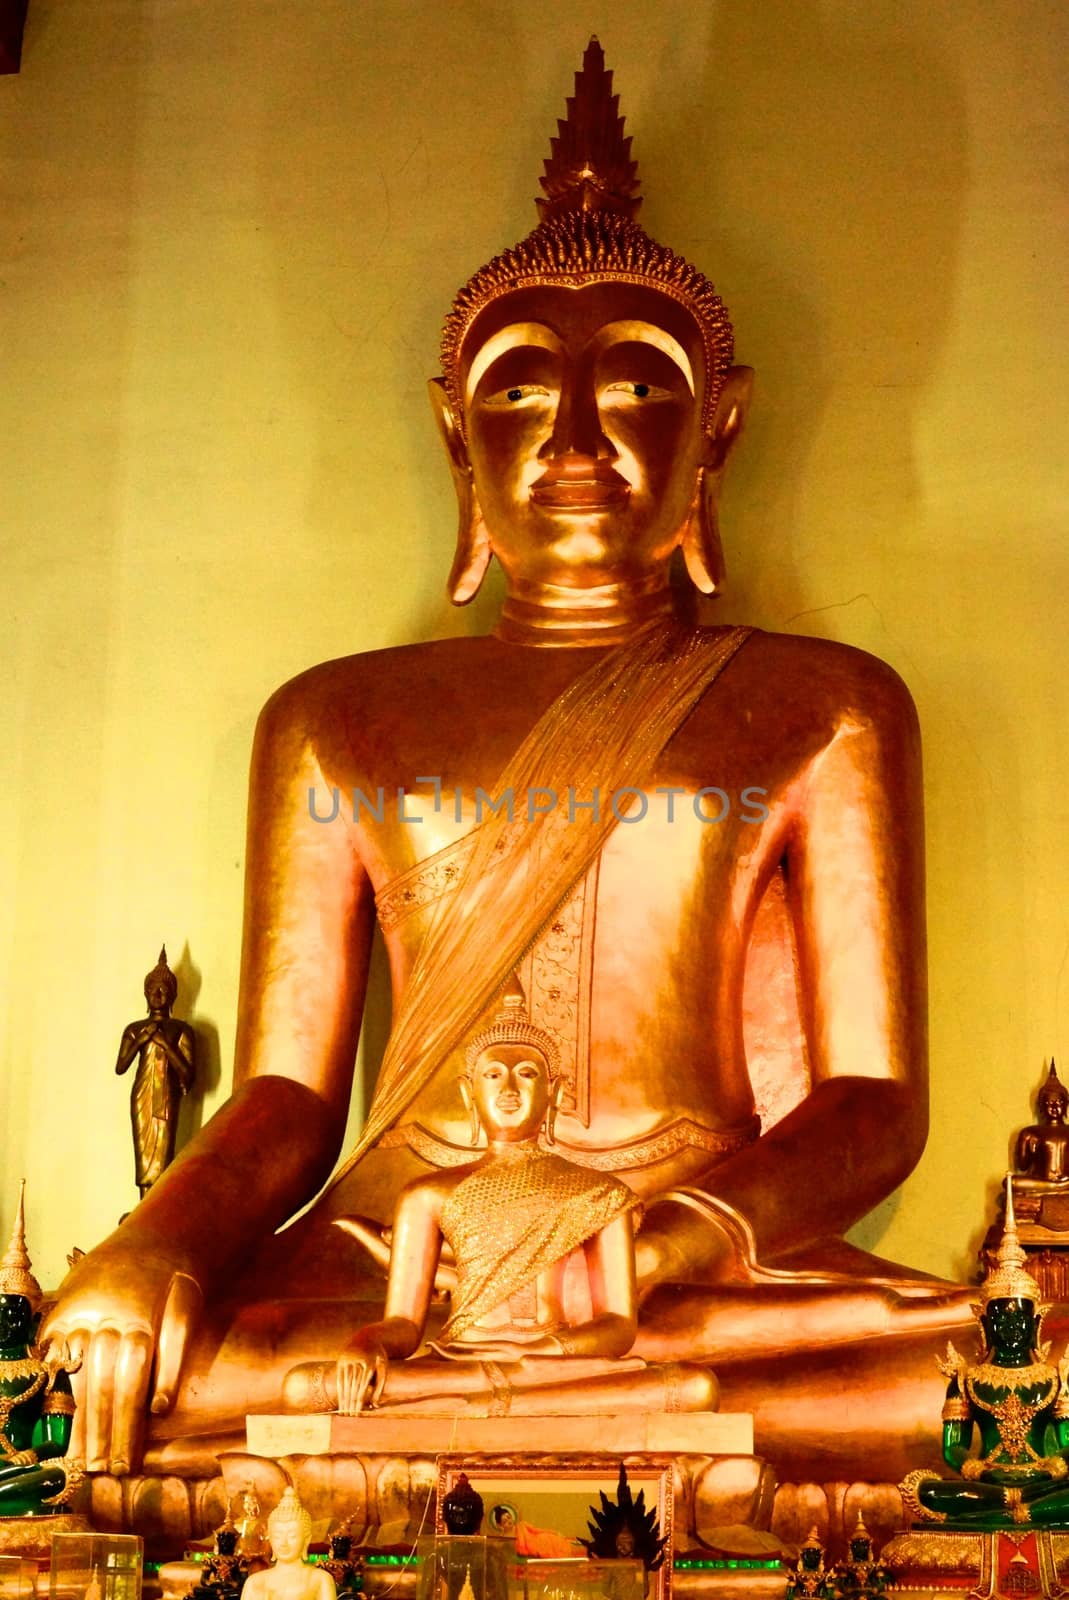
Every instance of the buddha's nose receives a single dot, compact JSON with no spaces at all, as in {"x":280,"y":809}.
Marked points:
{"x":577,"y":427}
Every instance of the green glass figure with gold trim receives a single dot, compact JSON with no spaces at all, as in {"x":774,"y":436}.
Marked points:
{"x":36,"y":1403}
{"x":1014,"y":1399}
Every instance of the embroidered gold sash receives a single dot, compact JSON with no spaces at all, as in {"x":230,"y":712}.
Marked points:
{"x":603,"y":734}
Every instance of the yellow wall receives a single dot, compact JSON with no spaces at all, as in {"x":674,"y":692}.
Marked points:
{"x":228,"y":234}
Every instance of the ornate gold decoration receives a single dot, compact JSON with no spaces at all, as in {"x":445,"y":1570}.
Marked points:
{"x":58,"y":1404}
{"x":587,"y":232}
{"x":1013,"y":1415}
{"x":12,"y":1402}
{"x":15,"y":1274}
{"x":931,"y":1551}
{"x":1015,"y":1505}
{"x":911,"y":1504}
{"x":1008,"y":1279}
{"x":74,"y":1476}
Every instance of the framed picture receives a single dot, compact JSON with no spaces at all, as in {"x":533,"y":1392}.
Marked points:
{"x":557,"y":1492}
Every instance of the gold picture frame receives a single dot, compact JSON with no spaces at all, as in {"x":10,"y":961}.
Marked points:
{"x":570,"y":1484}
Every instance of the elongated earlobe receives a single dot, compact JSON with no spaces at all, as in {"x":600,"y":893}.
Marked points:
{"x":702,"y":549}
{"x":555,"y":1099}
{"x":469,"y":1106}
{"x":473,"y":550}
{"x":700,"y":539}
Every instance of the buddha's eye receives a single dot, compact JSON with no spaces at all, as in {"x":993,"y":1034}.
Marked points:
{"x":627,"y":388}
{"x":516,"y":395}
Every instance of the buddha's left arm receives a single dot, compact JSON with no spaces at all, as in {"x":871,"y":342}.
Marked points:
{"x":610,"y":1258}
{"x":855,"y":876}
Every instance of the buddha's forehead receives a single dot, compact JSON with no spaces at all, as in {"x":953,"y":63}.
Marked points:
{"x":575,"y":315}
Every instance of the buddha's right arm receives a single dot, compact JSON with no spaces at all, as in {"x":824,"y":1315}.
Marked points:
{"x":957,"y":1437}
{"x":135,"y":1300}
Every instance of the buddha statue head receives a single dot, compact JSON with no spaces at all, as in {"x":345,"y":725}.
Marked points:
{"x":861,"y":1543}
{"x":289,"y":1528}
{"x":511,"y":1083}
{"x":20,"y":1292}
{"x":1053,"y":1098}
{"x":588,"y":401}
{"x":161,"y":985}
{"x":1011,"y":1309}
{"x":811,"y":1554}
{"x":462,"y":1508}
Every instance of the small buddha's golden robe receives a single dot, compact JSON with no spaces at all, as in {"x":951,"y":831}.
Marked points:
{"x":513,"y":1218}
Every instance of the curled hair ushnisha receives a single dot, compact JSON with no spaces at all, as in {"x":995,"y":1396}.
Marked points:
{"x":512,"y":1025}
{"x":587,"y":234}
{"x":290,"y":1512}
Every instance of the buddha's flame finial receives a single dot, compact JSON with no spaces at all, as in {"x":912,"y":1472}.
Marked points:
{"x":589,"y":167}
{"x":16,"y":1276}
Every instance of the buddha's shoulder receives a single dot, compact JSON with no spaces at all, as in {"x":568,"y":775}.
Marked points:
{"x":372,"y":676}
{"x":806,"y":671}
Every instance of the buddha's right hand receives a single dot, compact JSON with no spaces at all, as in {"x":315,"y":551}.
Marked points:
{"x":121,"y":1325}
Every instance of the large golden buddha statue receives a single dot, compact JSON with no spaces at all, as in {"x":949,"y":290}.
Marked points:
{"x":701,"y":849}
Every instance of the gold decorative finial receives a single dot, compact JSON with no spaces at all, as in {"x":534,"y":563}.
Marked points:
{"x":1007,"y":1279}
{"x":15,"y":1274}
{"x":589,"y":167}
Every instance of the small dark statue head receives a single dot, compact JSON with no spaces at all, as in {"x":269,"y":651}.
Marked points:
{"x":462,"y":1508}
{"x":625,"y":1528}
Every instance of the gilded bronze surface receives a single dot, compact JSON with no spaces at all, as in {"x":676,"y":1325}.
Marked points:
{"x":589,"y":411}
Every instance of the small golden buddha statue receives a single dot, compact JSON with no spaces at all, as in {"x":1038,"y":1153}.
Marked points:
{"x":734,"y":975}
{"x":1042,"y":1152}
{"x":289,"y":1528}
{"x":1041,"y":1193}
{"x":165,"y":1050}
{"x":514,"y":1221}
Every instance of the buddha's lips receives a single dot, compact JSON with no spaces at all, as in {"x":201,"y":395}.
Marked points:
{"x":580,"y":483}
